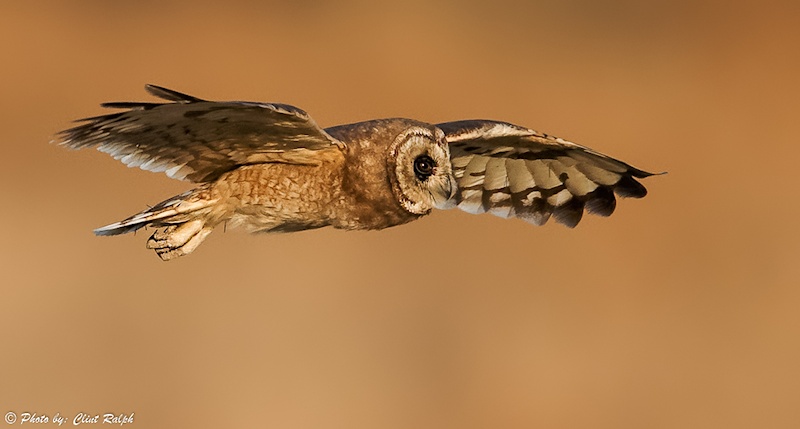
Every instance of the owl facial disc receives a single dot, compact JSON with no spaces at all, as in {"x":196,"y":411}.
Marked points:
{"x":423,"y":177}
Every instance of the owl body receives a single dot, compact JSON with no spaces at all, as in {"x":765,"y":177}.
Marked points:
{"x":269,"y":168}
{"x":282,"y":197}
{"x":342,"y":190}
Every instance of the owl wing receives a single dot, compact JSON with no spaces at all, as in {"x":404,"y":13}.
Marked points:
{"x":511,"y":171}
{"x":197,"y":140}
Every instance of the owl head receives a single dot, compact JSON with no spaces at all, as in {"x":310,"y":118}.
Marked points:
{"x":422,"y":178}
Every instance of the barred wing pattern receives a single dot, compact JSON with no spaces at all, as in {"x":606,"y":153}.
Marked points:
{"x":511,"y":171}
{"x":197,"y":140}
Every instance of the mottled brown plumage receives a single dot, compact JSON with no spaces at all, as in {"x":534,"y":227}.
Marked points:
{"x":269,"y":168}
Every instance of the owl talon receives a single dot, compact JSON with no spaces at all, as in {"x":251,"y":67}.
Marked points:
{"x":175,"y":241}
{"x":159,"y":237}
{"x":166,"y":253}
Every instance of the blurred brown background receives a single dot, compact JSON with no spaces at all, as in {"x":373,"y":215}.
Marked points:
{"x":680,"y":311}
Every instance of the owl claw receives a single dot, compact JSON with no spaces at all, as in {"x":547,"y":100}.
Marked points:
{"x":174,"y":241}
{"x":159,"y":238}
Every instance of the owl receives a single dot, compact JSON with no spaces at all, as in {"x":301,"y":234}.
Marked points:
{"x":269,"y":167}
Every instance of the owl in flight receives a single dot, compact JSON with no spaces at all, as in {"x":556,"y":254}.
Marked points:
{"x":270,"y":168}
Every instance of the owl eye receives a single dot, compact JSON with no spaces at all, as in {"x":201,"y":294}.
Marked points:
{"x":423,"y":167}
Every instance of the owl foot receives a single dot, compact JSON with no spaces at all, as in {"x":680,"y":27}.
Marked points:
{"x":178,"y":240}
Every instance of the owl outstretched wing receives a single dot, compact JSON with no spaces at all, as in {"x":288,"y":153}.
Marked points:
{"x":511,"y":171}
{"x":197,"y":140}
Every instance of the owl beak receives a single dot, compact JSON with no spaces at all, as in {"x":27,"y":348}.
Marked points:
{"x":447,"y":199}
{"x":452,"y":188}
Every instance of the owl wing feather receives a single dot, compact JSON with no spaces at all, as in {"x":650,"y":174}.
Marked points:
{"x":512,"y":171}
{"x":197,"y":140}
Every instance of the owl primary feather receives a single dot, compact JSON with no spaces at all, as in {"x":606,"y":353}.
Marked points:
{"x":269,"y":168}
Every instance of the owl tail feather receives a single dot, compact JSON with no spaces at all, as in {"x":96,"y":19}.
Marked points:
{"x":176,"y":210}
{"x":185,"y":219}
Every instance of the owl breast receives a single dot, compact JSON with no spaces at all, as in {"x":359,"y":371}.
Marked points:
{"x":279,"y":197}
